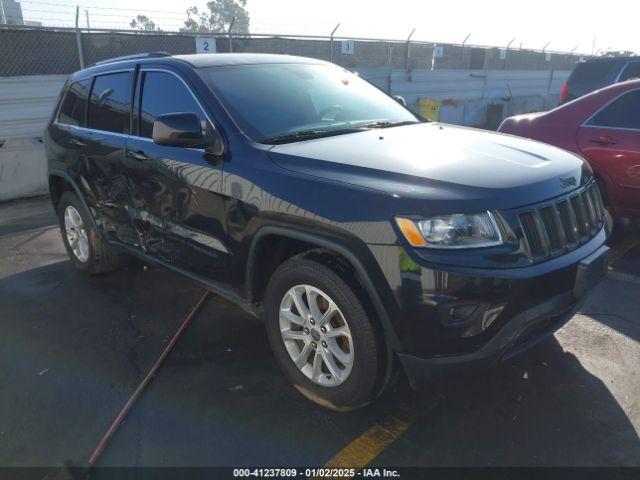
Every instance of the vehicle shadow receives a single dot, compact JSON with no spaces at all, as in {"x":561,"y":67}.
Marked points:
{"x":542,"y":408}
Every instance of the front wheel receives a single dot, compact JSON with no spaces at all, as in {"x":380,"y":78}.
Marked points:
{"x":322,"y":336}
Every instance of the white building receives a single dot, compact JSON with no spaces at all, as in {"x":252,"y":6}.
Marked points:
{"x":11,"y":12}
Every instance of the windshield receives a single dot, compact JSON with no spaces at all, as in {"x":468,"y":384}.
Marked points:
{"x":291,"y":102}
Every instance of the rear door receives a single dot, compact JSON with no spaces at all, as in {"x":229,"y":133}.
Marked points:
{"x":103,"y":141}
{"x":610,"y":140}
{"x":178,"y":208}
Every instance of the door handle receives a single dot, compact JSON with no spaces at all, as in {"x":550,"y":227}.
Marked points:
{"x":77,"y":143}
{"x":140,"y":156}
{"x":604,"y":141}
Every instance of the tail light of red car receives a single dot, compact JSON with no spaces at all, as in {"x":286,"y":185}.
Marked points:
{"x":564,"y":92}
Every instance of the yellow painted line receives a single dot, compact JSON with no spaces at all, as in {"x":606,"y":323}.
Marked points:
{"x":361,"y":451}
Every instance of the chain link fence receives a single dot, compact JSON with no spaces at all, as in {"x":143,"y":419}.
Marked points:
{"x":47,"y":50}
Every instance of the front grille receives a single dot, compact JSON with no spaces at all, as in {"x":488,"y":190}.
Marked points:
{"x":556,"y":227}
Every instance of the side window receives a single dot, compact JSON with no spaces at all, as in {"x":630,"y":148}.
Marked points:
{"x":631,"y":71}
{"x":164,"y":93}
{"x":621,"y":113}
{"x":74,"y":104}
{"x":110,"y":102}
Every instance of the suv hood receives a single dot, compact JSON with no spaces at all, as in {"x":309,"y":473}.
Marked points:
{"x":439,"y":162}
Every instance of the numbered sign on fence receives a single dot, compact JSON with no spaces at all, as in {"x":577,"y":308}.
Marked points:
{"x":348,"y":47}
{"x":205,"y":45}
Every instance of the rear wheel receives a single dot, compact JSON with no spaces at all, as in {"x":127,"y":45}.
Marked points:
{"x":321,"y":335}
{"x":88,"y":252}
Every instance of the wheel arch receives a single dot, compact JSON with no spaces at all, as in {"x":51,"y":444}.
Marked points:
{"x":330,"y":245}
{"x":60,"y":182}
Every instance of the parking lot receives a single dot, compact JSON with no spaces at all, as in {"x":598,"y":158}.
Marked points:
{"x":73,"y":349}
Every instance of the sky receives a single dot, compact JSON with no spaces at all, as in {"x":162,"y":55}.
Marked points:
{"x":564,"y":25}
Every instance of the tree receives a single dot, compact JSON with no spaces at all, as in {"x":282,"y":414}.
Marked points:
{"x":142,"y":22}
{"x":218,"y":18}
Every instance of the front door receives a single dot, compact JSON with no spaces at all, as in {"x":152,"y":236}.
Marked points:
{"x":177,"y":206}
{"x":610,"y":140}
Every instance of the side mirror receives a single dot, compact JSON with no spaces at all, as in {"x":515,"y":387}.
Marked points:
{"x":178,"y":130}
{"x":400,"y":100}
{"x":185,"y":130}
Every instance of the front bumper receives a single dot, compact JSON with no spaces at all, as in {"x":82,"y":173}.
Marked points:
{"x":516,"y":335}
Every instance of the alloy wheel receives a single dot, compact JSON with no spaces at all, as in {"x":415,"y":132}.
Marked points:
{"x":316,"y":335}
{"x":76,"y":234}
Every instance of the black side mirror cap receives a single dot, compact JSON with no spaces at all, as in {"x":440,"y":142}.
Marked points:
{"x":178,"y":130}
{"x":214,"y":143}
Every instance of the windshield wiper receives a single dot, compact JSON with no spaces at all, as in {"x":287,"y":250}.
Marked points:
{"x":307,"y":135}
{"x":320,"y":133}
{"x":387,"y":124}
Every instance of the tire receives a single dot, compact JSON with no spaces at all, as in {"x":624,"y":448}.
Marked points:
{"x":355,"y":385}
{"x":89,"y":254}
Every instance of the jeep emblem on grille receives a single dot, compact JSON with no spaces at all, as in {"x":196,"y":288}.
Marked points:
{"x":567,"y":182}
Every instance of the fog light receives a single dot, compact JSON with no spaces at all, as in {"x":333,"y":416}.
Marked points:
{"x":457,"y":315}
{"x":461,"y":314}
{"x":464,"y":319}
{"x":490,"y":316}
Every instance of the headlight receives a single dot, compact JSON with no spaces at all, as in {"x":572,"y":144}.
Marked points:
{"x":452,"y":231}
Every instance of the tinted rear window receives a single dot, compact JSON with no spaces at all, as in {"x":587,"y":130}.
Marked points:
{"x":110,"y":103}
{"x":592,"y":72}
{"x":74,"y":104}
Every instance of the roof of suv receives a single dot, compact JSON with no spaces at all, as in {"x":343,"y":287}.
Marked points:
{"x":195,"y":60}
{"x":224,"y":59}
{"x":611,"y":59}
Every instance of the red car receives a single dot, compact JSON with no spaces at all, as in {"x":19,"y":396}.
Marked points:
{"x":604,"y":128}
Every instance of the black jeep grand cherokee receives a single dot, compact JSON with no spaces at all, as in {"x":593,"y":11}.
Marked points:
{"x":301,"y":192}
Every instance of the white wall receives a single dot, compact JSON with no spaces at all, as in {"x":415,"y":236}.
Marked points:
{"x":23,"y":168}
{"x":25,"y":104}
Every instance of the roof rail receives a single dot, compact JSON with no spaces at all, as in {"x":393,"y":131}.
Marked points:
{"x":136,"y":56}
